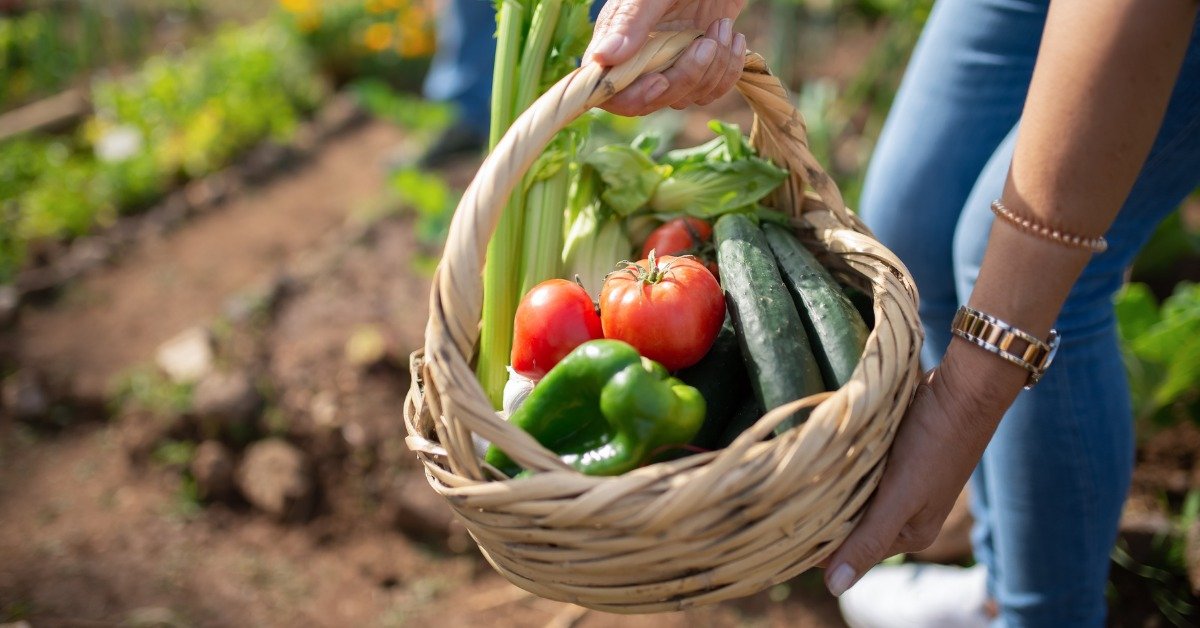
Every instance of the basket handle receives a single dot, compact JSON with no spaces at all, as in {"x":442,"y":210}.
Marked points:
{"x":456,"y":300}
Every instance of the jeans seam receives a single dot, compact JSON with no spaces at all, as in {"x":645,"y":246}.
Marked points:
{"x":1086,"y":477}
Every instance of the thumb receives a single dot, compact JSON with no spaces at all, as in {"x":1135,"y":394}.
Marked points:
{"x":866,"y":546}
{"x":622,"y":29}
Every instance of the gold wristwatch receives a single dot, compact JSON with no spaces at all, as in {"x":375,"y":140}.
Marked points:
{"x":1013,"y":345}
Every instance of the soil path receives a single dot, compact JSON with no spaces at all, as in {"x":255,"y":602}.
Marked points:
{"x":118,"y":316}
{"x":90,"y":540}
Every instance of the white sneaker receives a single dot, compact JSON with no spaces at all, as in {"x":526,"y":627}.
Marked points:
{"x":916,"y":595}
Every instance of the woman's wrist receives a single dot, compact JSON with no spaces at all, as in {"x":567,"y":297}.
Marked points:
{"x":978,"y":385}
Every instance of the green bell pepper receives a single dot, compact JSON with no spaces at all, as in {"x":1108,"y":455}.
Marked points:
{"x":606,"y":410}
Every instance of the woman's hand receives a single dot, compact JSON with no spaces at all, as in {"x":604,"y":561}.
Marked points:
{"x":706,"y":70}
{"x":943,"y":435}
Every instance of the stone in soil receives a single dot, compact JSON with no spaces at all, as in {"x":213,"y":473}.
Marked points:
{"x":187,"y":357}
{"x":141,"y":431}
{"x":418,"y":511}
{"x":25,"y":397}
{"x":276,"y":478}
{"x":367,"y":346}
{"x":10,"y":304}
{"x":226,"y":402}
{"x":212,"y":467}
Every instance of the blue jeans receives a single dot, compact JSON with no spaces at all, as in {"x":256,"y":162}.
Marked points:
{"x":461,"y":71}
{"x":1048,"y":493}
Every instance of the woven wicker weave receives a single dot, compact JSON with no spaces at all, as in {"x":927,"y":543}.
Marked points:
{"x":701,"y":529}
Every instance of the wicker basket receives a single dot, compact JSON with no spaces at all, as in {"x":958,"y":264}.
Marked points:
{"x":701,"y":529}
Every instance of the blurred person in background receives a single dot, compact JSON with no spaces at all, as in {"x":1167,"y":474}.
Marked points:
{"x":461,"y":74}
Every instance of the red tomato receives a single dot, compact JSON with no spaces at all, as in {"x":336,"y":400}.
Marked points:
{"x":683,"y":236}
{"x":553,"y":318}
{"x":680,"y":236}
{"x":670,"y":309}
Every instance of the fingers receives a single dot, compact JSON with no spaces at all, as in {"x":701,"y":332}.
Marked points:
{"x":635,"y":99}
{"x":733,"y":71}
{"x":888,"y":527}
{"x":622,"y":29}
{"x":705,"y":70}
{"x":721,"y":32}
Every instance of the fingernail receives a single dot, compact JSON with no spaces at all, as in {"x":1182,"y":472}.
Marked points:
{"x":706,"y":50}
{"x":739,"y":45}
{"x":609,"y":45}
{"x":656,"y":89}
{"x":840,"y":579}
{"x":725,"y":32}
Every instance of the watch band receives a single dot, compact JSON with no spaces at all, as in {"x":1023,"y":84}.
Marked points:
{"x":998,"y":337}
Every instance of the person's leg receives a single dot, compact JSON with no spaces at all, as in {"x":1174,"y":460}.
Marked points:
{"x":1057,"y":471}
{"x":461,"y":71}
{"x":964,"y":89}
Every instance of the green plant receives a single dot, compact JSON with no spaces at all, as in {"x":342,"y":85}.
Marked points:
{"x":1161,"y":345}
{"x":197,"y":111}
{"x":1161,"y":564}
{"x":175,"y":118}
{"x":149,"y":389}
{"x":430,"y":199}
{"x":405,"y":110}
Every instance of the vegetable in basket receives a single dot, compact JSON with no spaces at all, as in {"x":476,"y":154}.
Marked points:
{"x":669,"y":308}
{"x":774,"y":344}
{"x":552,"y":319}
{"x":836,"y":330}
{"x":606,"y":410}
{"x":683,"y":236}
{"x":719,"y":177}
{"x":538,"y":42}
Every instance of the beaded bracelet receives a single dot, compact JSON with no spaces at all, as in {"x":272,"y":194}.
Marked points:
{"x":1096,"y":245}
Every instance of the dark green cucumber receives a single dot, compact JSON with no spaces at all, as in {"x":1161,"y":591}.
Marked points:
{"x":863,"y":303}
{"x":720,"y":376}
{"x":778,"y":357}
{"x":836,"y":329}
{"x":746,"y":415}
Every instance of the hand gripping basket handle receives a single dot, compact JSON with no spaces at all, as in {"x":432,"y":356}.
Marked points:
{"x":457,"y":296}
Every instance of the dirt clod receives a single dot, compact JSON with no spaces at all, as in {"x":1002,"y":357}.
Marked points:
{"x":10,"y":303}
{"x":226,"y":402}
{"x":276,"y":477}
{"x":141,"y":431}
{"x":25,"y":397}
{"x":212,"y":468}
{"x":187,"y":357}
{"x":420,"y":512}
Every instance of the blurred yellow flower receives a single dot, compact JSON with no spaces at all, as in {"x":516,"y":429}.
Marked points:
{"x":378,"y":37}
{"x":414,"y":47}
{"x":308,"y":22}
{"x":415,"y":13}
{"x":392,"y":4}
{"x":376,"y":6}
{"x":299,"y":6}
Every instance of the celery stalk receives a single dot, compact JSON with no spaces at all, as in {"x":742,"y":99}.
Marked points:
{"x":544,"y":218}
{"x":525,"y":248}
{"x":500,"y":280}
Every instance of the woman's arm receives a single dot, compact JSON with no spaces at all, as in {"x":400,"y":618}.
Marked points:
{"x":1099,"y":91}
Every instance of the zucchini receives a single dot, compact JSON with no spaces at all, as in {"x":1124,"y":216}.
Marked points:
{"x":720,"y":376}
{"x":836,"y":329}
{"x":778,"y":357}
